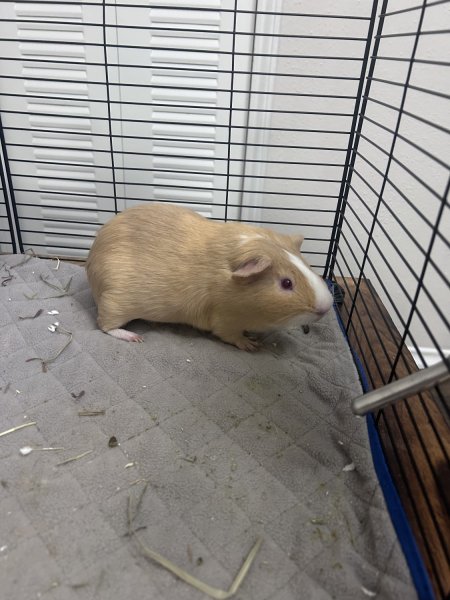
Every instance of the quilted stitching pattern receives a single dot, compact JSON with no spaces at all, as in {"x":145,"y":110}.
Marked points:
{"x":232,"y":444}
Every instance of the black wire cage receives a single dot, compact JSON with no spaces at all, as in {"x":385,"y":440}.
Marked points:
{"x":331,"y":118}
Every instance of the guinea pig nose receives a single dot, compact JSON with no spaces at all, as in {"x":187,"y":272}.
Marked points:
{"x":322,"y":308}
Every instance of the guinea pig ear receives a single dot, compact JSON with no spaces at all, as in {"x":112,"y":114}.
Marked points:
{"x":251,"y":268}
{"x":298,"y":240}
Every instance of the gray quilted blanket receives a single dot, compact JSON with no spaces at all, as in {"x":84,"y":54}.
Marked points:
{"x":227,"y":446}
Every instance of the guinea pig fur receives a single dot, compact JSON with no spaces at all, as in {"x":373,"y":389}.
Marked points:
{"x":169,"y":264}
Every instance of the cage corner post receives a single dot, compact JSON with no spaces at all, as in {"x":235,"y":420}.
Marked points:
{"x":367,"y":68}
{"x":9,"y":195}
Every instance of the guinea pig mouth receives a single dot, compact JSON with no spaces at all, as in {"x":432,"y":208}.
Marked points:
{"x":318,"y":314}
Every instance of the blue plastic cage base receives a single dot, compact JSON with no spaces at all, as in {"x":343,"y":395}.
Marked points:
{"x":394,"y":505}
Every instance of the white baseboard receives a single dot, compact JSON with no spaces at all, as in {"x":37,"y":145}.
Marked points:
{"x":430,"y":356}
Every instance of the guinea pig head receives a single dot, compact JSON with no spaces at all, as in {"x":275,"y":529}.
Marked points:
{"x":274,"y":285}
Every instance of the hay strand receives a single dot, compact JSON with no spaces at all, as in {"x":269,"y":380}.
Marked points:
{"x":37,"y":314}
{"x":9,"y":277}
{"x":13,"y":429}
{"x":74,"y":458}
{"x":45,"y":362}
{"x":211,"y":591}
{"x":64,"y":290}
{"x":28,"y":254}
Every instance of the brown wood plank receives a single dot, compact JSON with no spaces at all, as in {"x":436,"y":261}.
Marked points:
{"x":414,"y":434}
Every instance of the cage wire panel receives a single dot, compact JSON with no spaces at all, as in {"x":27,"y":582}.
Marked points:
{"x":390,"y":252}
{"x":332,"y":118}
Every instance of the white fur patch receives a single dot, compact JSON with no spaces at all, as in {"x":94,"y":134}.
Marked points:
{"x":324,"y":299}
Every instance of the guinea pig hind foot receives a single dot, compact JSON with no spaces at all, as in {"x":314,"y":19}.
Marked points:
{"x":124,"y":334}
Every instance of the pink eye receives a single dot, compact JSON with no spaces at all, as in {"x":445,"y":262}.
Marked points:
{"x":286,"y":284}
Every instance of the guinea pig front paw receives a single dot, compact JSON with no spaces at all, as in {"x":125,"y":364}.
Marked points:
{"x":236,"y":338}
{"x":244,"y":343}
{"x":248,"y":345}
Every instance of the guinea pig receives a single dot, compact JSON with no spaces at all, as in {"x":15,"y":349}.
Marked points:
{"x":169,"y":264}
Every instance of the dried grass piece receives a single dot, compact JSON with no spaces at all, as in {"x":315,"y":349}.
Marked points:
{"x":39,"y":312}
{"x":28,"y":254}
{"x":91,"y":413}
{"x":58,"y":288}
{"x":47,"y":361}
{"x":7,"y":386}
{"x":57,"y":263}
{"x":53,"y":448}
{"x":64,"y":290}
{"x":73,"y":458}
{"x":9,"y":277}
{"x":6,"y":280}
{"x":13,"y":429}
{"x":136,"y":481}
{"x":196,"y":583}
{"x":43,"y":365}
{"x":189,"y":459}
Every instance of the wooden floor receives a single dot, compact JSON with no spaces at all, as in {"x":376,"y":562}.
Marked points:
{"x":414,"y":433}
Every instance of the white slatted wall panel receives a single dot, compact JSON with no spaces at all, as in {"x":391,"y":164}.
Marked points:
{"x":58,"y":190}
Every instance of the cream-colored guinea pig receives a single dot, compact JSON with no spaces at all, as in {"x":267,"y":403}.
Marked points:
{"x":169,"y":264}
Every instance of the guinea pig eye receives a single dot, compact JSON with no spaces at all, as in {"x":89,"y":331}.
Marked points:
{"x":286,"y":284}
